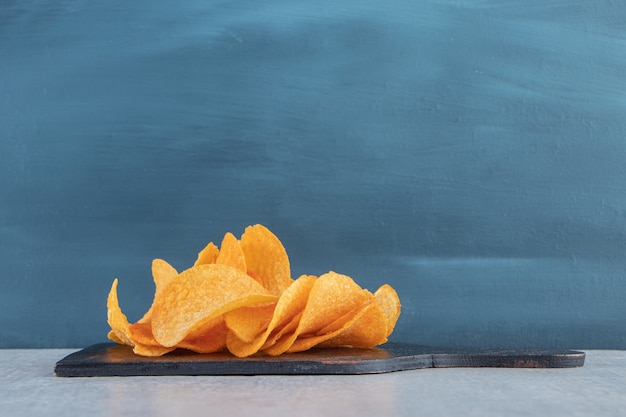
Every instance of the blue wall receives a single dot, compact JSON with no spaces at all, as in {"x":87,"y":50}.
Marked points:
{"x":470,"y":153}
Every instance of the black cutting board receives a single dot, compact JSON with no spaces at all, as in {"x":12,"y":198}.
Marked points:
{"x":108,"y":359}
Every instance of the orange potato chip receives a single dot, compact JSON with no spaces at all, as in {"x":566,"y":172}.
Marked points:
{"x":241,"y":297}
{"x":289,"y":305}
{"x":389,"y":303}
{"x":121,"y":329}
{"x":277,"y":334}
{"x":199,"y":295}
{"x":147,"y":350}
{"x":117,"y":319}
{"x":162,"y":274}
{"x":145,"y":345}
{"x":142,"y":333}
{"x":369,"y":329}
{"x":207,"y":340}
{"x":208,"y":255}
{"x":365,"y":329}
{"x":266,"y":259}
{"x":111,"y":335}
{"x":332,"y":296}
{"x":246,"y":323}
{"x":210,"y":339}
{"x":373,"y":326}
{"x":231,"y":254}
{"x":341,"y":321}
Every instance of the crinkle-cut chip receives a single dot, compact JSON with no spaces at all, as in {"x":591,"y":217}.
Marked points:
{"x":332,"y":297}
{"x":208,"y":255}
{"x":248,"y":322}
{"x":266,"y":259}
{"x":231,"y":254}
{"x":290,"y":305}
{"x":162,"y":274}
{"x":199,"y":295}
{"x":117,"y":319}
{"x":211,"y":339}
{"x":389,"y":303}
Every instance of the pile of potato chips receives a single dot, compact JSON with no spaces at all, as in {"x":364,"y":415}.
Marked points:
{"x":241,"y":298}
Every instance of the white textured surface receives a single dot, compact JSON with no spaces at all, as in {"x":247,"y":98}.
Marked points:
{"x":29,"y":388}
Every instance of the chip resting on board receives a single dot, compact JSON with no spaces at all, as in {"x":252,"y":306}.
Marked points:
{"x":240,"y":297}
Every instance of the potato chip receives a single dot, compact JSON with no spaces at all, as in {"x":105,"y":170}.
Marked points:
{"x":199,"y":295}
{"x":332,"y":296}
{"x":372,"y":326}
{"x":365,"y":329}
{"x":290,"y":304}
{"x":248,"y":322}
{"x":279,"y":332}
{"x":142,"y":333}
{"x":121,"y":329}
{"x":117,"y":319}
{"x":112,"y":336}
{"x":340,"y":322}
{"x":389,"y":303}
{"x":147,"y":350}
{"x":162,"y":274}
{"x":210,"y":339}
{"x":305,"y":342}
{"x":208,"y":255}
{"x":266,"y":259}
{"x":241,"y":297}
{"x":231,"y":254}
{"x":145,"y":344}
{"x":207,"y":340}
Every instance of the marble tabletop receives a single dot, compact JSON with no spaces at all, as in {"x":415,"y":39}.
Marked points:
{"x":28,"y":387}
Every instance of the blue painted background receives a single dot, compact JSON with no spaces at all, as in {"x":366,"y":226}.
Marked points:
{"x":470,"y":153}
